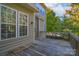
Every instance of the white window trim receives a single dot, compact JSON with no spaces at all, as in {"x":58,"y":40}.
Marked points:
{"x":17,"y":23}
{"x":27,"y":24}
{"x":24,"y":14}
{"x":0,"y":22}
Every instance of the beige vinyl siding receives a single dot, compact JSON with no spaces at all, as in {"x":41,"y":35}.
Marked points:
{"x":41,"y":25}
{"x":26,"y":41}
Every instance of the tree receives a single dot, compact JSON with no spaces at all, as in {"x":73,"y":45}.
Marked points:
{"x":73,"y":19}
{"x":67,"y":25}
{"x":53,"y":22}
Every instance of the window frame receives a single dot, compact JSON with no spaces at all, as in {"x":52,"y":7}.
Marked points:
{"x":17,"y":23}
{"x":15,"y":20}
{"x":26,"y":25}
{"x":0,"y":22}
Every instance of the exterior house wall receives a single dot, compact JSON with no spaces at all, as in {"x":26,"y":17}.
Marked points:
{"x":42,"y":20}
{"x":26,"y":41}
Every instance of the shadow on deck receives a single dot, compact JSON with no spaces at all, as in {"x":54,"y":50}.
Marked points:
{"x":47,"y":47}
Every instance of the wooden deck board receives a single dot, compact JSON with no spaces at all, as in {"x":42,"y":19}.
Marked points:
{"x":48,"y":47}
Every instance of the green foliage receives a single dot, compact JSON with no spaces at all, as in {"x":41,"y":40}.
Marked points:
{"x":72,"y":22}
{"x":53,"y":22}
{"x":69,"y":24}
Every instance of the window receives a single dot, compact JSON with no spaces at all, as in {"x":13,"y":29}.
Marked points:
{"x":23,"y":24}
{"x":9,"y":27}
{"x":8,"y":23}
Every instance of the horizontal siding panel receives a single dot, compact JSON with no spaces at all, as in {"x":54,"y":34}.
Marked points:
{"x":11,"y":40}
{"x":24,"y":42}
{"x":7,"y":42}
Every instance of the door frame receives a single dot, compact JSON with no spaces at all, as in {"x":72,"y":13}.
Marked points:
{"x":36,"y":27}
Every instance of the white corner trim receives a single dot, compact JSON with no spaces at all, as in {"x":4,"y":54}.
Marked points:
{"x":0,"y":21}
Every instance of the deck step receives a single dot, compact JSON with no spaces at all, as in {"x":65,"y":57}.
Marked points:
{"x":37,"y":52}
{"x":37,"y":48}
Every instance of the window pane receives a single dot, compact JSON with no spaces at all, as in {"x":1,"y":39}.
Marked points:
{"x":9,"y":35}
{"x":8,"y":15}
{"x":8,"y":23}
{"x":23,"y":30}
{"x":23,"y":19}
{"x":3,"y":14}
{"x":11,"y":30}
{"x":3,"y":36}
{"x":3,"y":31}
{"x":13,"y":17}
{"x":23,"y":24}
{"x":3,"y":28}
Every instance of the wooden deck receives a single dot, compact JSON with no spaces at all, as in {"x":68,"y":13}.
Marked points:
{"x":47,"y":47}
